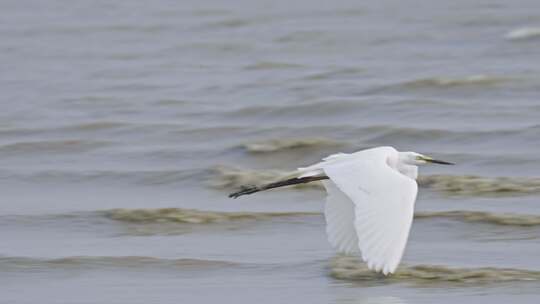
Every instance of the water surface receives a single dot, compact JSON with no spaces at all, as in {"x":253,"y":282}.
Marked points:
{"x":125,"y":125}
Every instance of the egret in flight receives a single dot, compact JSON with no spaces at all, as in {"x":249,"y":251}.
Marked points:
{"x":370,"y":201}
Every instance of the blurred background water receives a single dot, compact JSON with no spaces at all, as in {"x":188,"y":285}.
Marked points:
{"x":124,"y":125}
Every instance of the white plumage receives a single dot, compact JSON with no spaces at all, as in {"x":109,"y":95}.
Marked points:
{"x":370,"y":203}
{"x":339,"y":215}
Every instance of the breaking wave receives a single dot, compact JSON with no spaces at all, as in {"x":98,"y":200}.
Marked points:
{"x":480,"y":186}
{"x":190,"y":216}
{"x":508,"y":219}
{"x":231,"y":178}
{"x":52,"y":146}
{"x":350,"y":72}
{"x":148,"y":222}
{"x":270,"y":65}
{"x":524,"y":33}
{"x":276,"y":145}
{"x":392,"y":133}
{"x":84,"y":127}
{"x":351,"y":268}
{"x":472,"y":80}
{"x":443,"y":83}
{"x":193,"y":216}
{"x":138,"y":177}
{"x":227,"y":23}
{"x":92,"y":262}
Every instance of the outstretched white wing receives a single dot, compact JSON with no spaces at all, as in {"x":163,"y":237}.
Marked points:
{"x":339,"y":216}
{"x":383,"y":208}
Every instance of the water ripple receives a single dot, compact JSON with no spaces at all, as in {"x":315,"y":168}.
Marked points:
{"x":352,"y":269}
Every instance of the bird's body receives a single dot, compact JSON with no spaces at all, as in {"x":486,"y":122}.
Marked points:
{"x":370,"y":203}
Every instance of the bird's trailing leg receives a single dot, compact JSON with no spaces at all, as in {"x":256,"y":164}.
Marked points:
{"x":288,"y":182}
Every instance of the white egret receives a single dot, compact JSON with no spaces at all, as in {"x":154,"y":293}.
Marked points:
{"x":370,"y":202}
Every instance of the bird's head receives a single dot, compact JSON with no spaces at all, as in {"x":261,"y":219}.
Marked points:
{"x":416,"y":159}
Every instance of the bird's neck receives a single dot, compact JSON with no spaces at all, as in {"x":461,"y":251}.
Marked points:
{"x":408,"y":170}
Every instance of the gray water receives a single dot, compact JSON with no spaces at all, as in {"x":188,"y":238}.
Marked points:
{"x":125,"y":124}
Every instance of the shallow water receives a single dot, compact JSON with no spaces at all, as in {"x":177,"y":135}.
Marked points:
{"x":125,"y":125}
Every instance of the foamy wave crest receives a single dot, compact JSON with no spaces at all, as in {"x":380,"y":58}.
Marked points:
{"x":443,"y":83}
{"x":147,"y":222}
{"x":524,"y":33}
{"x":269,"y":65}
{"x":186,"y":218}
{"x":509,"y":219}
{"x":351,"y":268}
{"x":477,"y":185}
{"x":84,"y":127}
{"x":52,"y":146}
{"x":190,"y":216}
{"x":92,"y":262}
{"x":397,"y":134}
{"x":472,"y":80}
{"x":290,"y":144}
{"x":193,"y":216}
{"x":158,"y":177}
{"x":231,"y":178}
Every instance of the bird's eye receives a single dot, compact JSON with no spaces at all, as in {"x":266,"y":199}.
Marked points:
{"x":419,"y":158}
